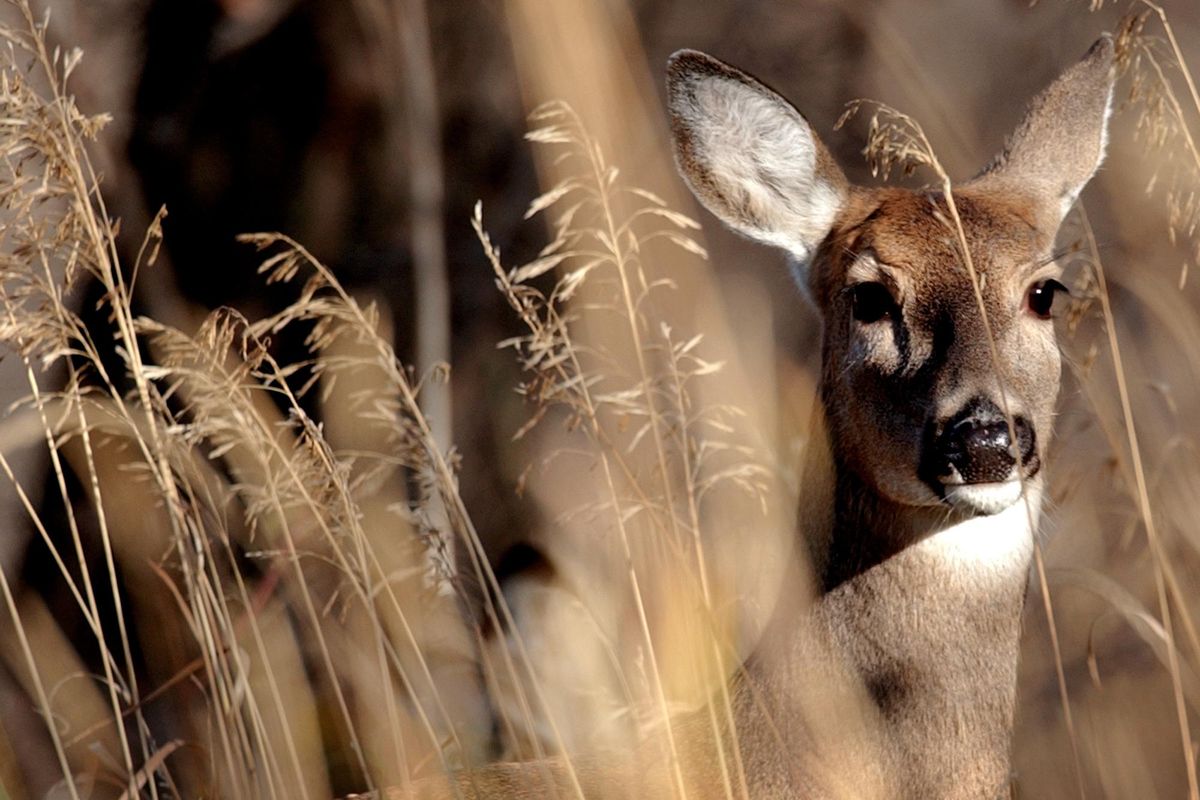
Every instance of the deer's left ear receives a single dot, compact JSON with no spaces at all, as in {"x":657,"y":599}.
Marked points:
{"x":1059,"y":145}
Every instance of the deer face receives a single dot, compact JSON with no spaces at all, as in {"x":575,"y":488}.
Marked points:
{"x":917,"y":406}
{"x":925,"y":402}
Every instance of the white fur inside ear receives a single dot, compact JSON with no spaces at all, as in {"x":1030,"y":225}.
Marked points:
{"x":761,"y":158}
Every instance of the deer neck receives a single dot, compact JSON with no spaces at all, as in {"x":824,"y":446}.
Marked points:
{"x":920,"y":610}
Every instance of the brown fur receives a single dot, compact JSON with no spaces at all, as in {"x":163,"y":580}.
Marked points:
{"x":944,"y":358}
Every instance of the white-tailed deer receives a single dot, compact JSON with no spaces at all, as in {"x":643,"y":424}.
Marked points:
{"x":925,"y":554}
{"x":913,"y":507}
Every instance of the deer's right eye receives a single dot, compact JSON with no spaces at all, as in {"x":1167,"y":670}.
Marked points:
{"x":870,"y":301}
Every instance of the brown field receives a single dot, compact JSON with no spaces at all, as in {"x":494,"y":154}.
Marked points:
{"x":287,"y":369}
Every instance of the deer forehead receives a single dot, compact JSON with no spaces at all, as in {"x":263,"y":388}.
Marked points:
{"x":905,"y":238}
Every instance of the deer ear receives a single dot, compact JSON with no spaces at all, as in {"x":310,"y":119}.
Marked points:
{"x":1059,"y":145}
{"x":750,"y":157}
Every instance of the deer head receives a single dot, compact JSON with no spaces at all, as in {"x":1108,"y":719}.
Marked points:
{"x":914,"y":401}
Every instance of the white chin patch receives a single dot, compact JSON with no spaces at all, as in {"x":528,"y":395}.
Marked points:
{"x":984,"y":498}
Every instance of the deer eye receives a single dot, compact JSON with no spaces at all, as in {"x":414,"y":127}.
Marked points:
{"x":870,"y":301}
{"x":1040,"y":299}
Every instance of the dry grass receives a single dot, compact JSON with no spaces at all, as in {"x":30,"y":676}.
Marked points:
{"x":271,"y":605}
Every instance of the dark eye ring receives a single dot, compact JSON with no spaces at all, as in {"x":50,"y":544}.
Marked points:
{"x":1040,"y":297}
{"x":870,"y":301}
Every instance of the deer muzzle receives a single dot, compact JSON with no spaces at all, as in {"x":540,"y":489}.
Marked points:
{"x":973,"y":462}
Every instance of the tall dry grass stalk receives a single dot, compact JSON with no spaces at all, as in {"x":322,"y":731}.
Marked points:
{"x":399,"y":36}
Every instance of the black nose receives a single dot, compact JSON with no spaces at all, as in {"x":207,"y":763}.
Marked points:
{"x":976,"y":444}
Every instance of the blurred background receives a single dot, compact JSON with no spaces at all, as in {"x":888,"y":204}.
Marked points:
{"x":367,"y":130}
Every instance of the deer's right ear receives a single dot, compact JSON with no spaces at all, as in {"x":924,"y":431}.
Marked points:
{"x":1060,"y":143}
{"x":750,"y":157}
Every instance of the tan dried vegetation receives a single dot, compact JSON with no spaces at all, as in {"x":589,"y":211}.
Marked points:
{"x":299,"y":619}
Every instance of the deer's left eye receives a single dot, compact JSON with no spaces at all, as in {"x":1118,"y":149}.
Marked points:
{"x":1040,"y":299}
